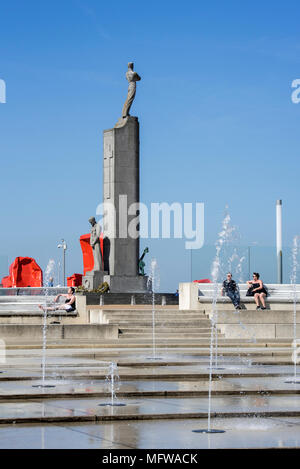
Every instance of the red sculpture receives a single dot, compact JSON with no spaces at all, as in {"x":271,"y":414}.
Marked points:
{"x":6,"y":282}
{"x":75,"y":280}
{"x":87,"y":252}
{"x":204,"y":280}
{"x":23,"y":272}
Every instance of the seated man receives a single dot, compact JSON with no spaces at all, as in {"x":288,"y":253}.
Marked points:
{"x":69,"y":305}
{"x":231,"y":289}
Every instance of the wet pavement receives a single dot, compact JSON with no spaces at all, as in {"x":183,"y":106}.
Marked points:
{"x":163,"y":434}
{"x":163,"y":399}
{"x":265,"y":385}
{"x":141,"y":407}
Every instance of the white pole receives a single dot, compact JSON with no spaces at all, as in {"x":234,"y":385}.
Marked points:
{"x":279,"y":239}
{"x":63,"y":246}
{"x":58,"y":273}
{"x":64,"y":265}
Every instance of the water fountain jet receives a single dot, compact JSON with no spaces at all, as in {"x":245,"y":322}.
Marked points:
{"x":215,"y":273}
{"x":153,"y":281}
{"x":48,"y":273}
{"x":293,"y":278}
{"x":112,"y":380}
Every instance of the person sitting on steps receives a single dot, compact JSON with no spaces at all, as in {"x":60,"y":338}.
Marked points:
{"x":70,"y":303}
{"x":257,"y":289}
{"x":231,"y":289}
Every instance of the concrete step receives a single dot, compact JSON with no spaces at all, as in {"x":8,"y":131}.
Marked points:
{"x":139,"y":310}
{"x":202,"y":346}
{"x":147,"y":310}
{"x":141,"y":317}
{"x":223,"y":342}
{"x":167,"y":335}
{"x":156,"y":311}
{"x":38,"y":320}
{"x":158,"y":318}
{"x":36,"y":313}
{"x":162,"y":330}
{"x":175,"y":314}
{"x":162,"y":325}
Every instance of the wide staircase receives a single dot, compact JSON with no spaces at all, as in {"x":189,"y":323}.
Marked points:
{"x":168,"y":324}
{"x":176,"y":328}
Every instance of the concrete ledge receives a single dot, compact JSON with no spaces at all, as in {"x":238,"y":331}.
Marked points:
{"x":97,"y":316}
{"x":91,"y":331}
{"x":194,"y":296}
{"x":81,"y":308}
{"x":58,"y":331}
{"x":188,"y":296}
{"x":30,"y":314}
{"x":261,"y":324}
{"x":33,"y":332}
{"x":248,"y":331}
{"x":287,"y":330}
{"x":258,"y":331}
{"x":244,"y":300}
{"x":257,"y":317}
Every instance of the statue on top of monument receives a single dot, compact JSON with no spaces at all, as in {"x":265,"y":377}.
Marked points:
{"x":132,"y":77}
{"x":95,"y":243}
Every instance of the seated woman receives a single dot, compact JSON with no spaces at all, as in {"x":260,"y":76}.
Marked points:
{"x":69,"y":305}
{"x":257,"y":289}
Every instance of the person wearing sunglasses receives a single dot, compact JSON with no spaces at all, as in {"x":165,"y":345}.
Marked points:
{"x":257,"y":289}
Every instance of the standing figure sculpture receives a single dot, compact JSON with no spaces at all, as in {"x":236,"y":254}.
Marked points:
{"x":95,"y":243}
{"x":132,"y":78}
{"x":142,"y":263}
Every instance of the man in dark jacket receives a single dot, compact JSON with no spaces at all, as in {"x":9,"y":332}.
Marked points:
{"x":231,"y":290}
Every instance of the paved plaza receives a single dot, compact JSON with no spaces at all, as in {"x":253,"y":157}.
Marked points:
{"x":163,"y":399}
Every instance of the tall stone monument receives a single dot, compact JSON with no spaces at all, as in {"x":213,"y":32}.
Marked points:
{"x":121,"y":196}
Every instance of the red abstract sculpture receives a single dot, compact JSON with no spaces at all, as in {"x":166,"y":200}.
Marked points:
{"x":75,"y":280}
{"x":204,"y":280}
{"x":6,"y":282}
{"x":23,"y":272}
{"x":87,"y":252}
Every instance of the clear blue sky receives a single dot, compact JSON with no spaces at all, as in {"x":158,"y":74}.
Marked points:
{"x":217,"y":122}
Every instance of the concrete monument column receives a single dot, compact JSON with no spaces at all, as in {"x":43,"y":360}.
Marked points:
{"x":121,"y":196}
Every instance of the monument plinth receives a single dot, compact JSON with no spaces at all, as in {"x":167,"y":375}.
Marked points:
{"x":93,"y":279}
{"x":121,"y":192}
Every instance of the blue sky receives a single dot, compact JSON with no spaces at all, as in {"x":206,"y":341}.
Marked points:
{"x":217,"y":122}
